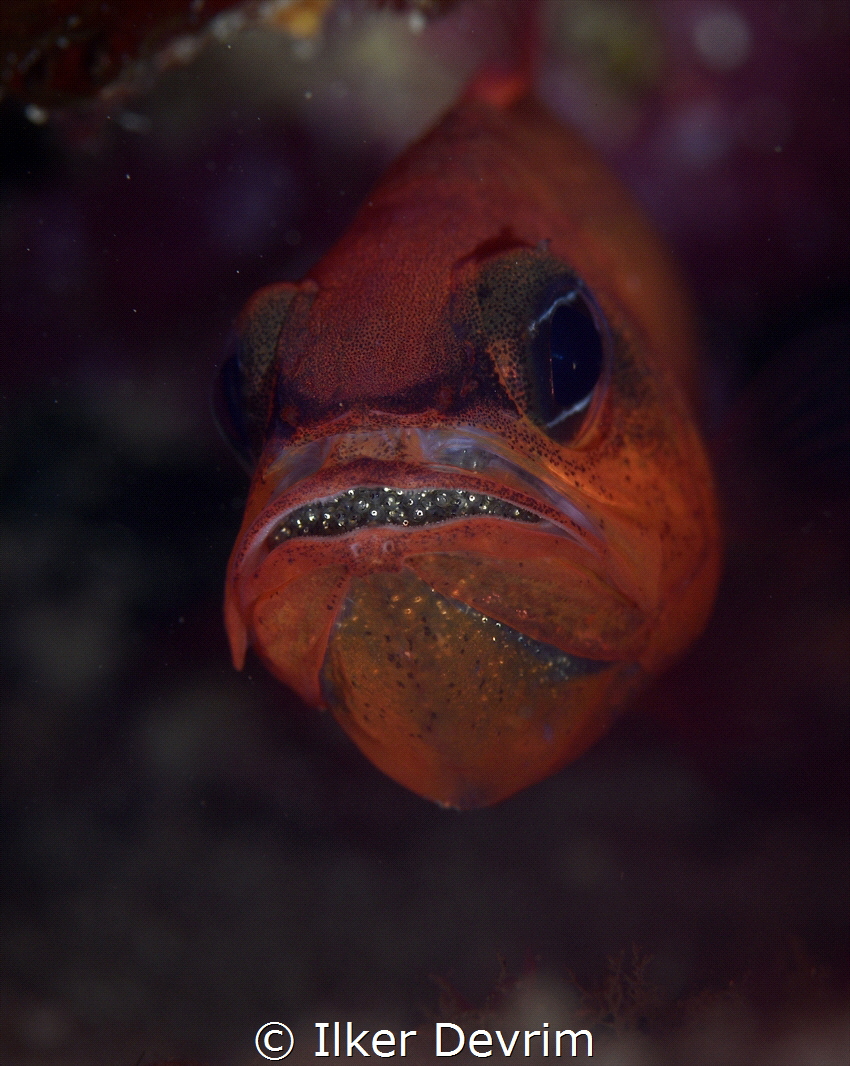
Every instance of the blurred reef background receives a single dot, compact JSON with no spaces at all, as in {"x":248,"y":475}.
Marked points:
{"x":188,"y":851}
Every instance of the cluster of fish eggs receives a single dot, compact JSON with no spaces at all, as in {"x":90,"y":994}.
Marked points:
{"x":395,"y":507}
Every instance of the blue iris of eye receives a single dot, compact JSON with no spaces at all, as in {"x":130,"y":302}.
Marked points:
{"x":577,"y":355}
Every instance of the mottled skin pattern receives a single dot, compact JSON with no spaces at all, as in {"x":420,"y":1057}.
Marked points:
{"x":414,"y":331}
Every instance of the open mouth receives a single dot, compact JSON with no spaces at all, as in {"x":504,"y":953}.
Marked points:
{"x":369,"y":506}
{"x":446,"y":453}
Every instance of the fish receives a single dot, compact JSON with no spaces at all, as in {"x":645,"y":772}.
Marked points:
{"x":482,"y":517}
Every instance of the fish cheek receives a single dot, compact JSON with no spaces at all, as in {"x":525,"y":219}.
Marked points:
{"x":291,"y":625}
{"x":456,"y":707}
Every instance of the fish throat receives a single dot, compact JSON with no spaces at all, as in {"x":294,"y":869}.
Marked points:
{"x":423,"y":681}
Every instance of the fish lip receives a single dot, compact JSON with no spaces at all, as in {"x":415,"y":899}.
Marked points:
{"x":570,"y":530}
{"x":441,"y":450}
{"x":258,"y":539}
{"x":408,"y":458}
{"x":471,"y":445}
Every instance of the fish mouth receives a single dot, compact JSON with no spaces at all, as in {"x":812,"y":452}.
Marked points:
{"x":367,"y":506}
{"x":473,"y":461}
{"x":489,"y":533}
{"x":406,"y":481}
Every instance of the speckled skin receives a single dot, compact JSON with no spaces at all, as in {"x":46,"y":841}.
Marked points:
{"x":414,"y":328}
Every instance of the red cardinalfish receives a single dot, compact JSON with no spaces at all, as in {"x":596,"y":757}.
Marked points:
{"x":481,"y":514}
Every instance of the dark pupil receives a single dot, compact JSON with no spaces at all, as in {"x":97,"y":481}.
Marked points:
{"x":576,"y":351}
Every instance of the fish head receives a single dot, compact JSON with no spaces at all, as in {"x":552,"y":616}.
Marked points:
{"x":481,"y":515}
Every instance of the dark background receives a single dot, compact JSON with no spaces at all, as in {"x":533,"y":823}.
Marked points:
{"x":189,"y":852}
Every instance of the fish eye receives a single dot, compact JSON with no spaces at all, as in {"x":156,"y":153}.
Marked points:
{"x":227,"y":404}
{"x":569,"y":342}
{"x":243,"y":396}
